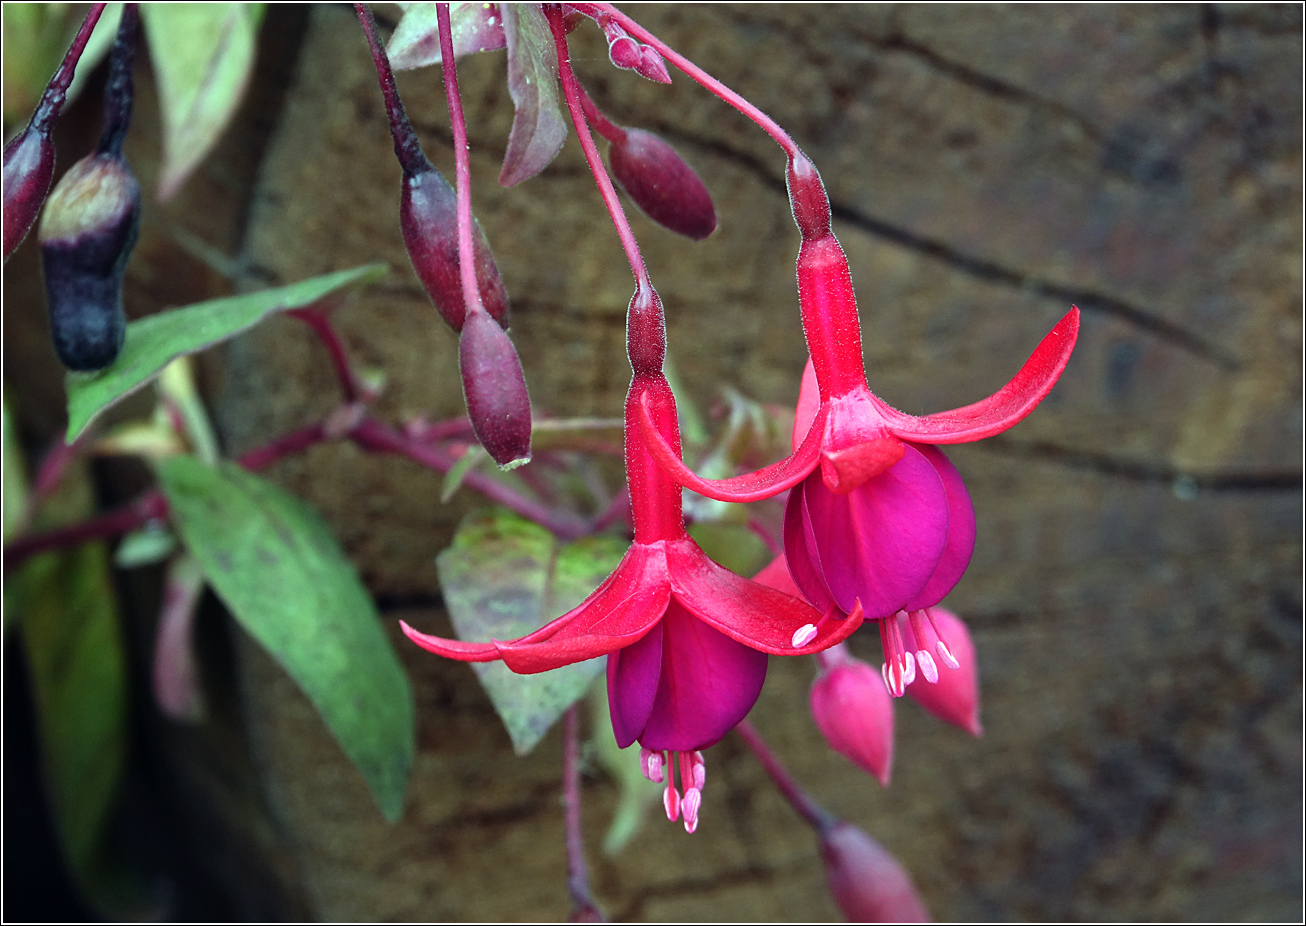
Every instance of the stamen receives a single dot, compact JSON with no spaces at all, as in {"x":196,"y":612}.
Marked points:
{"x":909,"y":668}
{"x":699,"y":767}
{"x":689,"y":808}
{"x":928,"y":668}
{"x":894,"y":665}
{"x":650,"y":764}
{"x":671,"y":801}
{"x":804,"y":635}
{"x":940,"y":647}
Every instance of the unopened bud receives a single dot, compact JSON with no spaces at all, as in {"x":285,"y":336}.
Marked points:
{"x":428,"y":217}
{"x":807,"y":197}
{"x":660,"y":182}
{"x":867,"y":882}
{"x":28,"y":169}
{"x":854,"y":712}
{"x":495,"y":389}
{"x":87,"y":233}
{"x":954,"y":698}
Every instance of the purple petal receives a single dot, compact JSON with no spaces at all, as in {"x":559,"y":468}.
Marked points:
{"x":801,"y":553}
{"x":632,"y":683}
{"x":881,"y":542}
{"x":708,"y":684}
{"x":961,"y":533}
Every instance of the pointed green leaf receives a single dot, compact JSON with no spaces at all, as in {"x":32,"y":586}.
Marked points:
{"x":274,"y":563}
{"x":145,"y":547}
{"x":504,"y":577}
{"x":65,"y":607}
{"x":416,"y":40}
{"x":538,"y":129}
{"x":203,"y":56}
{"x":152,"y":342}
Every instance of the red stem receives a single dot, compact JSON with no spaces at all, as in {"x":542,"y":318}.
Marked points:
{"x":462,"y":163}
{"x":407,"y":148}
{"x":820,"y":818}
{"x":693,"y":71}
{"x":578,"y":882}
{"x":47,"y":111}
{"x":602,"y":124}
{"x":318,"y":319}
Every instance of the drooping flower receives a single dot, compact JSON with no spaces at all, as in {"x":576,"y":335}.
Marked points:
{"x":686,"y":639}
{"x":877,"y":514}
{"x":850,"y":701}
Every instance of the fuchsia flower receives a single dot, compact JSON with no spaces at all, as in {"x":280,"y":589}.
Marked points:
{"x":686,"y":639}
{"x":877,"y":516}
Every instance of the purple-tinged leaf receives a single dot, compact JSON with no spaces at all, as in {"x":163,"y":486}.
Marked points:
{"x":416,"y":40}
{"x":538,"y":129}
{"x":502,"y":578}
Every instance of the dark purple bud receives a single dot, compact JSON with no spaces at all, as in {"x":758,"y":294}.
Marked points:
{"x":662,"y":184}
{"x":28,"y":169}
{"x":428,"y":217}
{"x":807,"y":198}
{"x":87,"y":233}
{"x":495,"y":389}
{"x":867,"y":882}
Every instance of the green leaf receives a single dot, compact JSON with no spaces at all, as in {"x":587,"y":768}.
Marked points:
{"x":504,"y":577}
{"x":274,"y":563}
{"x":538,"y":129}
{"x":64,"y":605}
{"x":203,"y":56}
{"x":152,"y":342}
{"x":416,"y":41}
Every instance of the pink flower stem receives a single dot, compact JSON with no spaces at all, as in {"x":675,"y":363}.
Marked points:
{"x":820,"y":818}
{"x":602,"y":124}
{"x":318,"y":319}
{"x":578,"y":881}
{"x":462,"y":163}
{"x":693,"y":71}
{"x":152,"y":506}
{"x":47,"y":111}
{"x":407,"y":148}
{"x":572,"y":93}
{"x":296,"y":441}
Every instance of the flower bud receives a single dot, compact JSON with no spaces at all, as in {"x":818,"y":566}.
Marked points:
{"x":428,"y":217}
{"x":954,"y":698}
{"x":87,"y":233}
{"x":28,"y":169}
{"x":495,"y":389}
{"x":660,"y":182}
{"x":807,"y":197}
{"x":854,"y":712}
{"x":867,"y":882}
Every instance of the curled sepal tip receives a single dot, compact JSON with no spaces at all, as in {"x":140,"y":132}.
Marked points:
{"x":495,"y":389}
{"x":662,"y":184}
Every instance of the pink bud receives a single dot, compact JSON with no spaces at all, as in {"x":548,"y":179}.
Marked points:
{"x":28,"y":170}
{"x":662,"y":184}
{"x":867,"y":882}
{"x":428,"y":217}
{"x":652,"y":66}
{"x":624,"y":52}
{"x":176,"y":676}
{"x":495,"y":389}
{"x":807,"y":198}
{"x":854,"y":712}
{"x":954,"y":698}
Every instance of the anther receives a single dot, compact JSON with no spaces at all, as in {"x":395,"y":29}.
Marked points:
{"x":671,"y":801}
{"x":699,"y":770}
{"x":650,"y":764}
{"x":927,"y":666}
{"x":804,"y":635}
{"x":689,"y":808}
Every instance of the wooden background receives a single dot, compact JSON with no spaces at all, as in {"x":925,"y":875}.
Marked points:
{"x":1135,"y":595}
